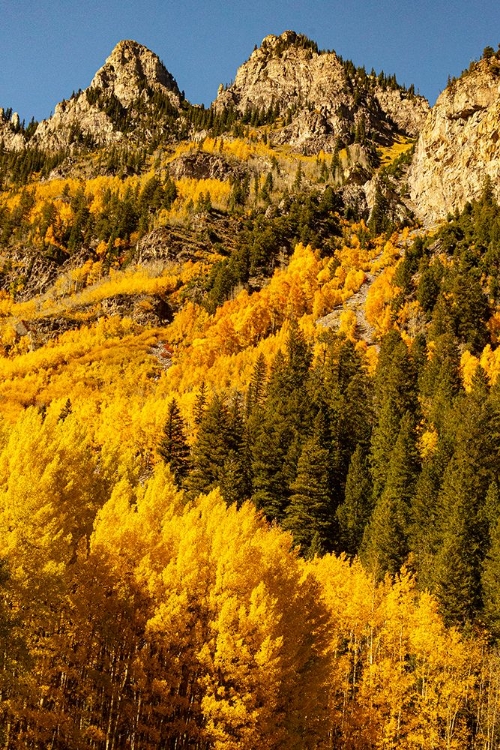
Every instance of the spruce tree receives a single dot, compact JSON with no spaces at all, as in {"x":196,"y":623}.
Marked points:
{"x":257,"y":386}
{"x":209,"y":450}
{"x":269,"y":451}
{"x":386,"y":541}
{"x":490,"y":577}
{"x":424,"y":533}
{"x":283,"y":420}
{"x":354,"y":513}
{"x":200,"y":404}
{"x":173,"y":447}
{"x":310,"y":515}
{"x":384,"y":437}
{"x":458,"y":564}
{"x":462,"y":504}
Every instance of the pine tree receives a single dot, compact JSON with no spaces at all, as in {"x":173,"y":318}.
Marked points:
{"x":457,"y":565}
{"x":424,"y":534}
{"x":384,"y":437}
{"x":354,"y":513}
{"x":310,"y":515}
{"x":269,"y":450}
{"x":173,"y":447}
{"x":256,"y":388}
{"x":490,"y":578}
{"x":386,"y":541}
{"x":209,"y":450}
{"x":462,"y":508}
{"x":217,"y":456}
{"x":200,"y":404}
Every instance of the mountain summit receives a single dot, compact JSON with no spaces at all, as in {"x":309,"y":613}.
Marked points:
{"x":131,"y":93}
{"x":316,"y":99}
{"x":132,"y":69}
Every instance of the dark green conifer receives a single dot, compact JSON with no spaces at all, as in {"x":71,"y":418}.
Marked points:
{"x":217,"y":456}
{"x":386,"y":541}
{"x":310,"y":515}
{"x":462,"y":507}
{"x":210,"y":449}
{"x":490,"y":578}
{"x":354,"y":513}
{"x":173,"y":447}
{"x":200,"y":404}
{"x":257,"y":385}
{"x":457,"y":564}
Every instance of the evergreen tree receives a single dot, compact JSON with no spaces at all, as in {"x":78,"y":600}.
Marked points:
{"x":209,"y":450}
{"x":384,"y":437}
{"x":256,"y":388}
{"x":310,"y":515}
{"x":270,"y":473}
{"x":173,"y":447}
{"x":457,"y":564}
{"x":354,"y":513}
{"x":217,"y":455}
{"x":424,"y":534}
{"x":463,"y":512}
{"x":490,"y":577}
{"x":386,"y":541}
{"x":200,"y":404}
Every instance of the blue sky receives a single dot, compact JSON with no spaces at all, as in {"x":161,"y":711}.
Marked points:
{"x":48,"y":48}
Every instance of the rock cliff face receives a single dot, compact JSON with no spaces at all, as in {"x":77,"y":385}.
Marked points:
{"x":459,"y":145}
{"x":408,"y":113}
{"x":9,"y":135}
{"x":320,"y":101}
{"x":120,"y":91}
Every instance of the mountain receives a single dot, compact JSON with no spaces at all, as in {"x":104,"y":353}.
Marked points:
{"x":459,"y":144}
{"x":317,"y":101}
{"x":249,"y":411}
{"x":133,"y":94}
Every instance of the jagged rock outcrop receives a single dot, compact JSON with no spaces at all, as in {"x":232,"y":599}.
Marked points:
{"x":407,"y":112}
{"x":315,"y":99}
{"x":201,"y":165}
{"x":130,"y":70}
{"x":10,"y":136}
{"x":119,"y":98}
{"x":459,"y":145}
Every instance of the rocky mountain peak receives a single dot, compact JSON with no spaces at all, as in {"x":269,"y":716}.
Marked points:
{"x":459,"y":146}
{"x":128,"y":94}
{"x":275,"y":46}
{"x":314,"y":99}
{"x":131,"y":69}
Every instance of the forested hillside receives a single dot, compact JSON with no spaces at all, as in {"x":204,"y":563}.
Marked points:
{"x":249,"y":427}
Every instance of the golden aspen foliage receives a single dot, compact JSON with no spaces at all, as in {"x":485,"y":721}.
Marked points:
{"x":468,"y":367}
{"x":49,"y":490}
{"x":231,"y":616}
{"x":377,"y":308}
{"x":400,"y":678}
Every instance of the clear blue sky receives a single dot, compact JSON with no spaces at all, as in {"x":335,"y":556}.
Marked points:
{"x":48,"y":48}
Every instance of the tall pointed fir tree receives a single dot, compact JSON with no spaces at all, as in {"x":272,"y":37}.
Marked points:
{"x":355,"y":511}
{"x":385,"y":544}
{"x":462,"y":509}
{"x":173,"y":447}
{"x":286,"y":417}
{"x":216,"y":453}
{"x":490,"y":577}
{"x":310,"y":516}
